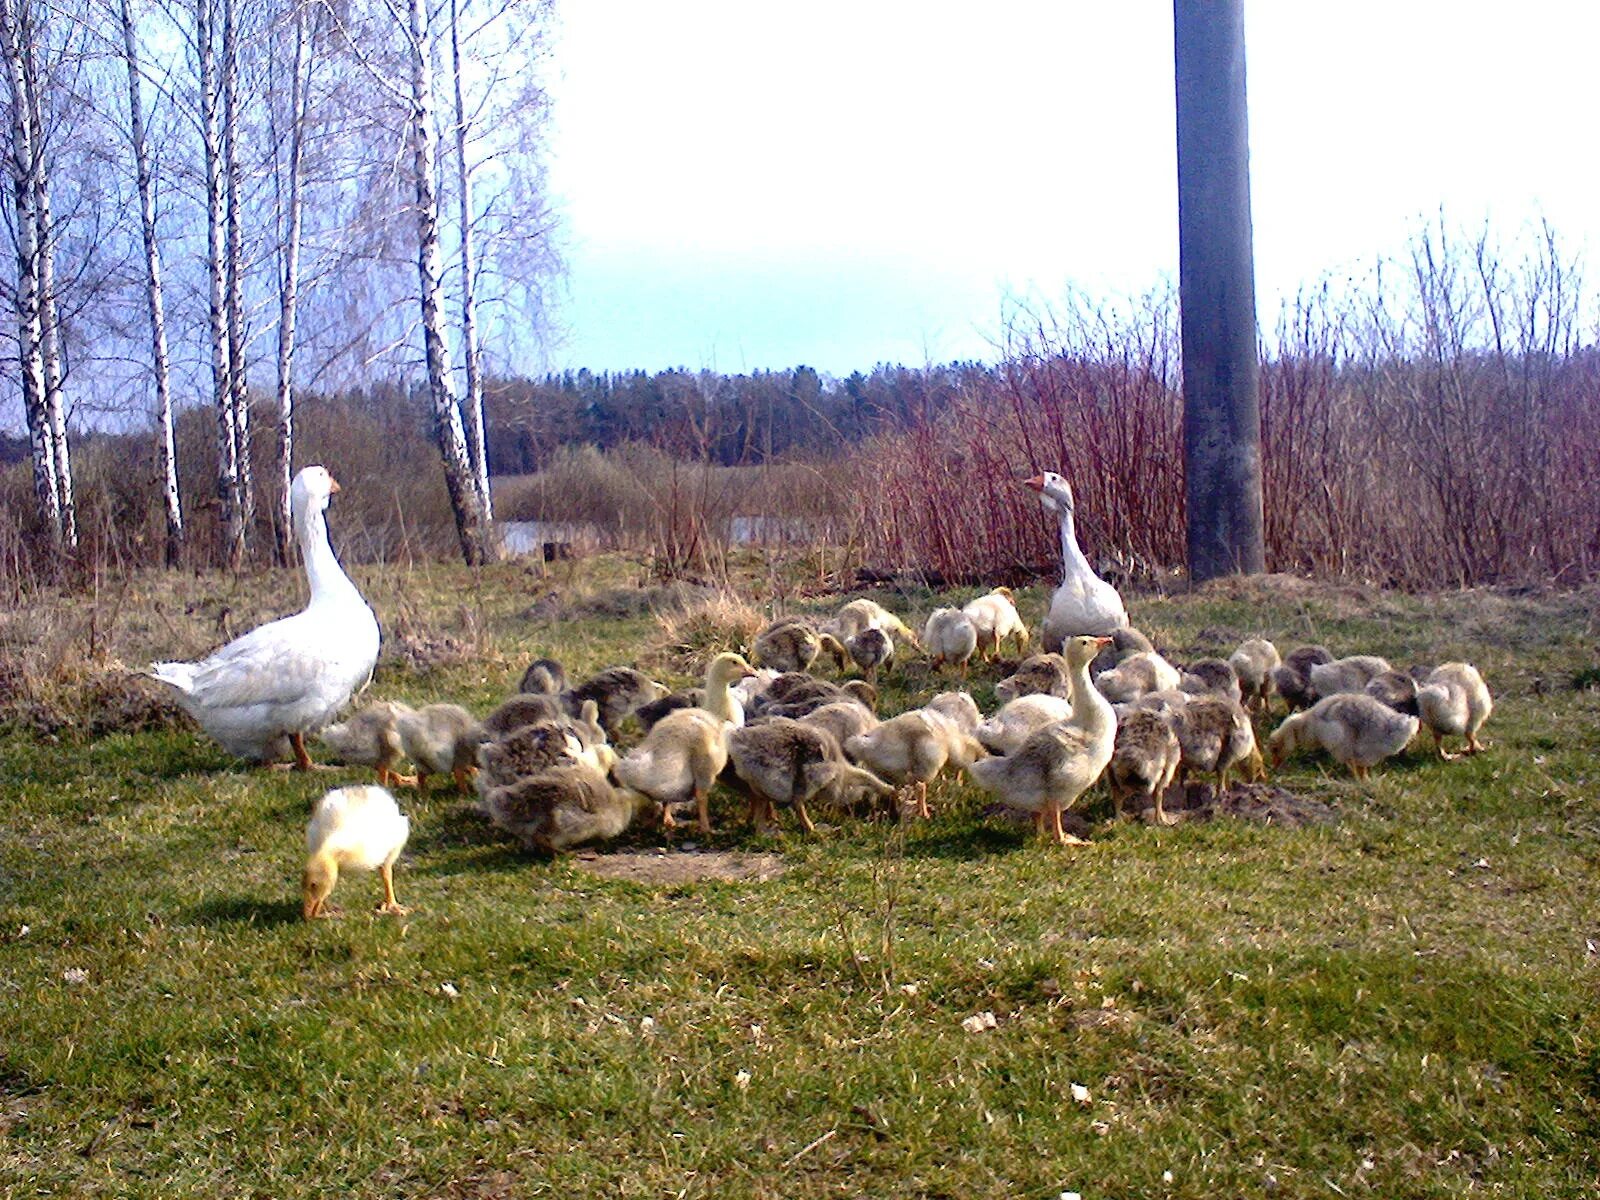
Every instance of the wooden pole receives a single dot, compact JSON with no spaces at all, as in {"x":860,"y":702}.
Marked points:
{"x":1216,"y":281}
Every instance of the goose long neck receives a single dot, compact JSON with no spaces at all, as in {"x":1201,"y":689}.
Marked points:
{"x":1072,"y":558}
{"x":323,"y":572}
{"x":1091,"y":711}
{"x":720,"y":702}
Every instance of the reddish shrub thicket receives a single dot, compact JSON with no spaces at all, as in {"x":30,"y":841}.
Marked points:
{"x":1091,"y":397}
{"x":1441,"y":430}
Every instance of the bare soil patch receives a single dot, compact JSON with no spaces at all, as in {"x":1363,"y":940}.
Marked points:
{"x":1249,"y":802}
{"x":682,"y":866}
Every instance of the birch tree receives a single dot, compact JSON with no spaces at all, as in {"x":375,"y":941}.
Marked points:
{"x":155,"y":301}
{"x":292,"y":225}
{"x":499,"y":109}
{"x":231,"y":527}
{"x":422,"y":195}
{"x":473,"y":401}
{"x":472,"y":521}
{"x":38,"y":342}
{"x":233,"y":269}
{"x":50,"y":325}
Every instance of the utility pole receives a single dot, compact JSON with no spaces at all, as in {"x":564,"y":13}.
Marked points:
{"x":1217,"y":294}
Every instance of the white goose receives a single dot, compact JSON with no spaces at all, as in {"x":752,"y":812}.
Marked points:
{"x":1056,"y":764}
{"x":1084,"y":604}
{"x":262,"y":693}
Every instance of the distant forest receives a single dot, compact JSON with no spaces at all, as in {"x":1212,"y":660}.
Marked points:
{"x":728,"y":420}
{"x":724,"y":419}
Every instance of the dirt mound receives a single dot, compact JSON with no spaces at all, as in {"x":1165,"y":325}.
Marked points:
{"x":682,"y":866}
{"x":1249,"y":802}
{"x":87,"y":700}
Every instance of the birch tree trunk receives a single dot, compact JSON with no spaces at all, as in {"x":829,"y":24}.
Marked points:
{"x":289,"y":287}
{"x":23,"y":161}
{"x":238,"y":388}
{"x":157,"y":305}
{"x":231,"y":525}
{"x":50,"y":328}
{"x":472,"y":526}
{"x":473,"y":403}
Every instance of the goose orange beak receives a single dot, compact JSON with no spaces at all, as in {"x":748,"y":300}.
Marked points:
{"x":333,"y":485}
{"x":1036,"y":483}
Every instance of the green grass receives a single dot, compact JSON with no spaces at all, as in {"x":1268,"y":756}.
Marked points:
{"x":1400,"y":1004}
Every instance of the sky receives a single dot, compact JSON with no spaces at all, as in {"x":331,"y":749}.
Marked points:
{"x":746,"y":185}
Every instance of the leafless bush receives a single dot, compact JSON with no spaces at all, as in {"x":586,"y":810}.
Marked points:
{"x":1432,"y":426}
{"x":1437,"y":427}
{"x":1087,"y":392}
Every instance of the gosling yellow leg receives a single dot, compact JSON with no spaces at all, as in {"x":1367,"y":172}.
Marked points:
{"x":390,"y":906}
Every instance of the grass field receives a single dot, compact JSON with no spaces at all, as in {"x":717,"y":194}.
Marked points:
{"x":1399,"y":1003}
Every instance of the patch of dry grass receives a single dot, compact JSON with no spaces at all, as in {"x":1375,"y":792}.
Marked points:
{"x":690,"y":636}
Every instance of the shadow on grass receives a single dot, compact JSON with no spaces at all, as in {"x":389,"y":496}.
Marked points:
{"x":459,"y":826}
{"x":239,"y":910}
{"x":489,"y":857}
{"x":967,"y":841}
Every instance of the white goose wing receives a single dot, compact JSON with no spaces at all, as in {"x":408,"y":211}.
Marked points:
{"x":277,"y":663}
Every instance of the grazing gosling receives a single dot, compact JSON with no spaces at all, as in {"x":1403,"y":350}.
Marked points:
{"x":844,"y":719}
{"x":1019,"y":720}
{"x":1354,"y":728}
{"x":1291,"y":679}
{"x":1044,"y":674}
{"x":784,"y":762}
{"x":1253,"y":662}
{"x":1396,"y":689}
{"x":790,"y":644}
{"x":1216,"y":735}
{"x":353,"y":829}
{"x":869,"y":614}
{"x":1345,"y":675}
{"x":1145,"y":671}
{"x":617,"y":691}
{"x":1125,"y":642}
{"x":649,"y":714}
{"x":995,"y":619}
{"x":871,"y":649}
{"x":950,"y":637}
{"x":563,"y":805}
{"x":525,"y":708}
{"x":371,"y":738}
{"x":1454,"y":701}
{"x":911,"y":749}
{"x":1212,"y":677}
{"x":544,"y":677}
{"x":441,"y":738}
{"x":1144,"y":762}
